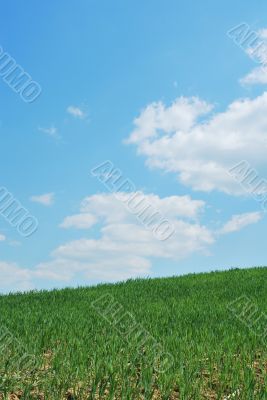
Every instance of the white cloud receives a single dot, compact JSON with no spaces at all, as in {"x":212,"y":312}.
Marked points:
{"x":240,"y":221}
{"x":122,"y":240}
{"x":46,"y":199}
{"x":201,"y":151}
{"x":104,"y":270}
{"x":156,"y":118}
{"x":51,"y":131}
{"x":79,"y":221}
{"x":2,"y":238}
{"x":123,"y":248}
{"x":108,"y":206}
{"x":76,"y":112}
{"x":258,"y":52}
{"x":14,"y":278}
{"x":257,"y":76}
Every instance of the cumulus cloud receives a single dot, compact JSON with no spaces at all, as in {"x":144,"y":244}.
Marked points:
{"x":240,"y":221}
{"x":76,"y":112}
{"x":79,"y":221}
{"x":123,"y":247}
{"x":2,"y":238}
{"x":46,"y":199}
{"x":111,"y":207}
{"x":199,"y":146}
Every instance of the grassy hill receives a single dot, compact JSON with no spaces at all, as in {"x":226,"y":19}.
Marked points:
{"x":193,"y":337}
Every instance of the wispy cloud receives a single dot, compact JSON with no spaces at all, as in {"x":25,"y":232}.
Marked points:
{"x":46,"y":199}
{"x":2,"y":238}
{"x":76,"y":112}
{"x":240,"y":221}
{"x":51,"y":131}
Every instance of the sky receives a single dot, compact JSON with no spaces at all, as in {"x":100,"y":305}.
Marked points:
{"x":156,"y":101}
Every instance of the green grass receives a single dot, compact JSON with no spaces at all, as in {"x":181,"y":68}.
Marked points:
{"x":81,"y":355}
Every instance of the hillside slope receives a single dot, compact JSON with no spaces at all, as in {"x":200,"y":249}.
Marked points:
{"x":192,"y":337}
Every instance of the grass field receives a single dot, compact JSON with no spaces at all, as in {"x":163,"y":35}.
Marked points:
{"x":96,"y":343}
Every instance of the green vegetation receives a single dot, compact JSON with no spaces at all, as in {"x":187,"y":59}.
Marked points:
{"x":80,"y":355}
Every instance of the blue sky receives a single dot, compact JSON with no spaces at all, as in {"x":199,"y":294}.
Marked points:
{"x":148,"y":86}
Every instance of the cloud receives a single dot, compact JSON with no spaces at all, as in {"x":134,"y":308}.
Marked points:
{"x":66,"y":270}
{"x":51,"y":131}
{"x":240,"y":221}
{"x":257,"y":76}
{"x":46,"y":199}
{"x":2,"y":238}
{"x":76,"y":112}
{"x":14,"y":278}
{"x":257,"y":52}
{"x":122,"y":247}
{"x":111,"y":208}
{"x":79,"y":221}
{"x":200,"y":147}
